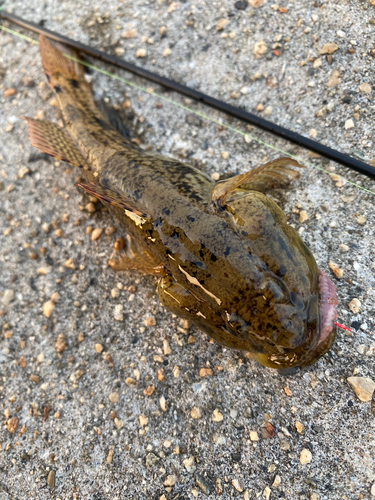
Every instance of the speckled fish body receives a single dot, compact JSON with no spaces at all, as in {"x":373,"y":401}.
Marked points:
{"x":226,"y":257}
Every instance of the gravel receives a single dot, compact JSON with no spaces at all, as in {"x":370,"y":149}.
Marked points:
{"x":105,"y":394}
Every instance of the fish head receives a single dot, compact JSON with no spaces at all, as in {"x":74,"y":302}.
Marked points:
{"x":287,"y":309}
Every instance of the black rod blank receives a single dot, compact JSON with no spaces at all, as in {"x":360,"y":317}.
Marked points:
{"x":241,"y":114}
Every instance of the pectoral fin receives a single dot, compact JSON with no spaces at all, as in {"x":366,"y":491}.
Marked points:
{"x":272,"y":174}
{"x":53,"y":140}
{"x":112,"y":196}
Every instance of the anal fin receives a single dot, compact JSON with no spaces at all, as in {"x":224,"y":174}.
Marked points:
{"x":54,"y":141}
{"x":132,"y":257}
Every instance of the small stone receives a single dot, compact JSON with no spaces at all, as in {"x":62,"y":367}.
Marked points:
{"x":349,"y":124}
{"x":256,"y":3}
{"x":58,"y":233}
{"x":303,"y":216}
{"x":110,"y":456}
{"x":222,"y":24}
{"x":254,"y":436}
{"x":276,"y":482}
{"x":343,"y":248}
{"x":364,"y":387}
{"x":334,"y":79}
{"x":48,"y":308}
{"x":196,"y":413}
{"x":176,"y":371}
{"x":119,"y":51}
{"x":241,"y":5}
{"x":129,"y":34}
{"x":245,"y":90}
{"x":167,"y":52}
{"x":115,"y":293}
{"x":260,"y":107}
{"x":55,"y":297}
{"x":35,"y":378}
{"x":143,"y":420}
{"x":335,"y":269}
{"x":44,"y":270}
{"x":317,"y":63}
{"x":70,"y":264}
{"x":189,"y":464}
{"x":118,"y":313}
{"x":217,"y":416}
{"x":114,"y":397}
{"x":246,"y":495}
{"x":170,"y":480}
{"x":203,"y":484}
{"x":361,"y":219}
{"x":224,"y":155}
{"x":365,"y":87}
{"x":268,"y":111}
{"x":22,"y":172}
{"x":150,"y":321}
{"x":10,"y":92}
{"x":90,"y":207}
{"x":110,"y":230}
{"x":206,"y":372}
{"x":12,"y":424}
{"x":60,"y":344}
{"x":305,"y":457}
{"x":119,"y":423}
{"x":8,"y":297}
{"x":355,"y":305}
{"x":149,"y":390}
{"x":51,"y":479}
{"x":373,"y":490}
{"x":40,"y":358}
{"x":266,"y":493}
{"x":215,"y":176}
{"x":328,"y":48}
{"x":166,"y":347}
{"x":260,"y":48}
{"x":130,"y":381}
{"x":99,"y":348}
{"x":163,"y":403}
{"x":287,"y":391}
{"x":300,"y":427}
{"x":96,"y":233}
{"x":237,"y":485}
{"x":151,"y":459}
{"x":313,"y":133}
{"x":141,"y":53}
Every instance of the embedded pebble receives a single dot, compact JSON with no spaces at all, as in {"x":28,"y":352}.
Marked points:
{"x":222,"y":24}
{"x":276,"y":481}
{"x":303,"y":216}
{"x":365,"y":87}
{"x":51,"y":479}
{"x":114,"y":397}
{"x":203,"y":484}
{"x":254,"y":436}
{"x":349,"y":124}
{"x":364,"y":387}
{"x":167,"y":52}
{"x":335,"y":269}
{"x":48,"y":308}
{"x":8,"y":297}
{"x":118,"y":312}
{"x":170,"y":480}
{"x":189,"y":464}
{"x":328,"y":48}
{"x":373,"y":490}
{"x":150,"y":321}
{"x":10,"y":92}
{"x":361,"y":219}
{"x":224,"y":155}
{"x":217,"y":416}
{"x":166,"y":347}
{"x":355,"y":305}
{"x":110,"y":456}
{"x":12,"y":424}
{"x":206,"y":372}
{"x":237,"y":485}
{"x":95,"y":235}
{"x":305,"y":457}
{"x":44,"y":270}
{"x":99,"y":348}
{"x":260,"y":48}
{"x":115,"y":293}
{"x":141,"y":53}
{"x":196,"y":413}
{"x":163,"y":403}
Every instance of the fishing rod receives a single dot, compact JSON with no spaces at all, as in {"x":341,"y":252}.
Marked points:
{"x":241,"y":114}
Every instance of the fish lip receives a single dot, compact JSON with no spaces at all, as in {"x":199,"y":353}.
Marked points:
{"x":328,"y":303}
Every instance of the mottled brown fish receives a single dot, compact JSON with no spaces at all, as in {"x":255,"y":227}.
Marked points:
{"x":225,"y":256}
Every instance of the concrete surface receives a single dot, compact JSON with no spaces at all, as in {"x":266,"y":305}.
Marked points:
{"x":105,"y":404}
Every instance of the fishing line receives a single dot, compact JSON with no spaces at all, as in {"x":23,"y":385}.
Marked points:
{"x":280,"y":131}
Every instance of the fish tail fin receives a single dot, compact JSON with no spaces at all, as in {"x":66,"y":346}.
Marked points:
{"x":54,"y":141}
{"x":60,"y":60}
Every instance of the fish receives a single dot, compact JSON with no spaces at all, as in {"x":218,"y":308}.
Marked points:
{"x":223,"y":253}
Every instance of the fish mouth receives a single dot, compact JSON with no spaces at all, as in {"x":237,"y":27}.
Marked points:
{"x":328,"y":303}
